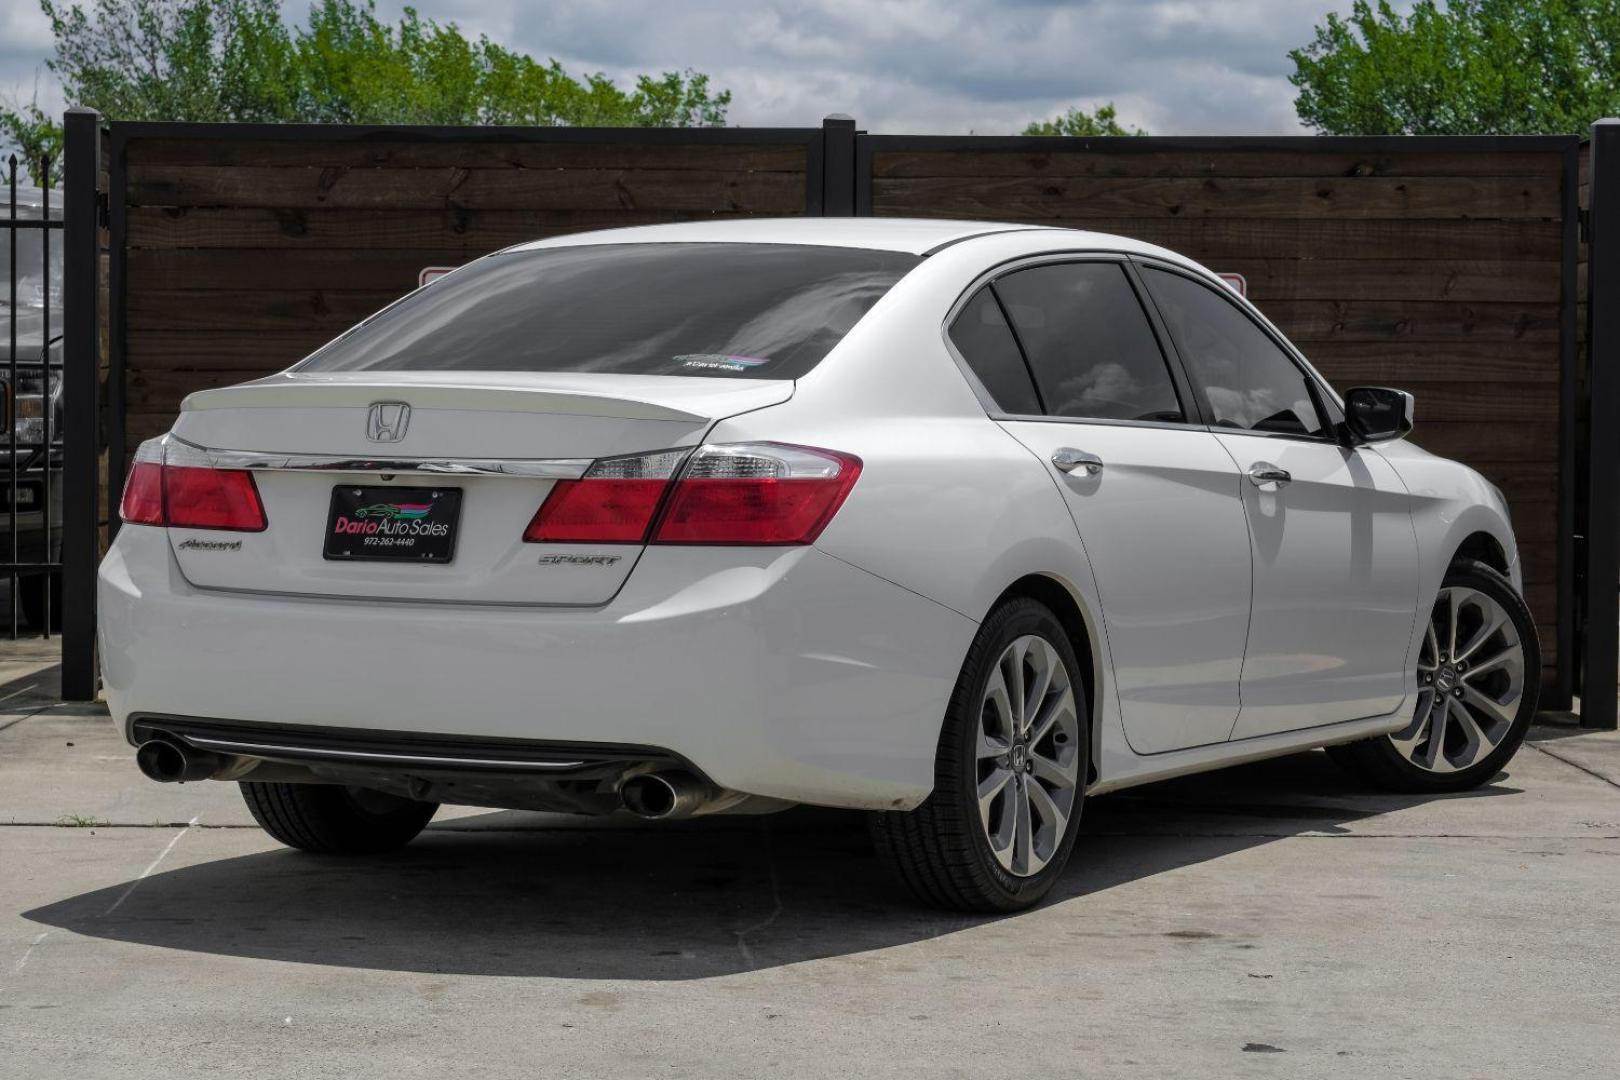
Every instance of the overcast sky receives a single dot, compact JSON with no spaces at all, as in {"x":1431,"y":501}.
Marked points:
{"x":921,"y":66}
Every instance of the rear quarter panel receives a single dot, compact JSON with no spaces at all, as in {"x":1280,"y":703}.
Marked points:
{"x":948,"y":504}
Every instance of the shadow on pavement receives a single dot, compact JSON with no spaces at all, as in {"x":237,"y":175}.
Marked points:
{"x":492,"y":895}
{"x":28,"y":683}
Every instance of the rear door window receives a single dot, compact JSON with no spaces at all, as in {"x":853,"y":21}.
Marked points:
{"x":1089,"y":343}
{"x":981,"y":334}
{"x":1246,"y":378}
{"x":743,"y":311}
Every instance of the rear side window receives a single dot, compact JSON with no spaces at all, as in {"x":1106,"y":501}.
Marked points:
{"x":981,"y":334}
{"x":1089,"y":342}
{"x":748,"y":311}
{"x":1248,"y":380}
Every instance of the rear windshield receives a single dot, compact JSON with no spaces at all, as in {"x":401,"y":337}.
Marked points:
{"x":750,"y":311}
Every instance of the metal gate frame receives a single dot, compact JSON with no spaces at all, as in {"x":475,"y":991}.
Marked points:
{"x":1600,"y":496}
{"x":42,"y":456}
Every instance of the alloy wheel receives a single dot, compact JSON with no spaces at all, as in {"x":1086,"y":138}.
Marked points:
{"x":1470,"y":683}
{"x":1028,"y":756}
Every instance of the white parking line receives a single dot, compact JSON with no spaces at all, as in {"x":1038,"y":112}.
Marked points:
{"x":19,"y":693}
{"x":776,"y":902}
{"x":151,"y":866}
{"x":30,"y":951}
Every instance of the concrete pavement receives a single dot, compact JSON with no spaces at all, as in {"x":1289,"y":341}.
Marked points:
{"x":1268,"y":921}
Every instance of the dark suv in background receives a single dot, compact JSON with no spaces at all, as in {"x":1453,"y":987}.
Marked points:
{"x":30,"y":400}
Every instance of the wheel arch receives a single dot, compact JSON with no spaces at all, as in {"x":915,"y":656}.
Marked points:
{"x":1084,"y":638}
{"x":1486,"y":548}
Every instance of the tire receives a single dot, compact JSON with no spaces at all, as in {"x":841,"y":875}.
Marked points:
{"x":942,"y":850}
{"x":333,"y":820}
{"x":1468,"y":754}
{"x":31,"y":599}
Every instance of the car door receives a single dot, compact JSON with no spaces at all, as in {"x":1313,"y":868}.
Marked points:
{"x":1335,"y":555}
{"x":1068,"y":362}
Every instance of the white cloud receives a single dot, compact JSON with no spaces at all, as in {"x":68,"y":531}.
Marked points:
{"x":1173,"y":66}
{"x":949,"y":66}
{"x":25,"y":44}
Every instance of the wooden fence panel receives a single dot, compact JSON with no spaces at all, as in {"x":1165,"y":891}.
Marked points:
{"x":244,"y":250}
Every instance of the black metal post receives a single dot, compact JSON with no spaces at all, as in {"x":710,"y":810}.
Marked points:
{"x":838,"y":166}
{"x":1602,"y":608}
{"x":1560,"y":695}
{"x":13,"y":552}
{"x":81,"y":374}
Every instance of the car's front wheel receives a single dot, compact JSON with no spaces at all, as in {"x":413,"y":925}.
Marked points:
{"x":1478,"y":681}
{"x":334,"y":820}
{"x":1010,"y":772}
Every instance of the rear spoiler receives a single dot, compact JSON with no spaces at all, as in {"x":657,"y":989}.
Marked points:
{"x":631,"y":397}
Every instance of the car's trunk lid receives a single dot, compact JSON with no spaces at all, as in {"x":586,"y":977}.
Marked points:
{"x":500,"y":440}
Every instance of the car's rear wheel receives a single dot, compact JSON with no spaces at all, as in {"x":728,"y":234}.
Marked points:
{"x":1009,"y":776}
{"x":335,"y":820}
{"x":1478,"y":680}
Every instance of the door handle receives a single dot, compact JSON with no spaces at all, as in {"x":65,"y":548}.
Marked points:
{"x":1068,"y":459}
{"x":1262,"y":473}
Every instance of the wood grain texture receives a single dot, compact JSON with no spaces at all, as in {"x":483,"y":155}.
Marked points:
{"x":1402,"y":362}
{"x":464,"y":154}
{"x":1042,"y":198}
{"x":447,"y":188}
{"x":472,"y":232}
{"x":280,"y":270}
{"x":1215,"y":163}
{"x":1211,"y":239}
{"x":1476,"y":443}
{"x":250,"y":311}
{"x":221,"y":350}
{"x":1467,"y":280}
{"x":1375,"y":322}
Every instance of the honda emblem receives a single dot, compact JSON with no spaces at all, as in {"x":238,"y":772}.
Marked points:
{"x":387,"y":420}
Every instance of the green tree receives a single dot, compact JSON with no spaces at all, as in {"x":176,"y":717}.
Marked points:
{"x":241,"y":61}
{"x":1470,"y":67}
{"x":1105,"y":121}
{"x":35,"y":139}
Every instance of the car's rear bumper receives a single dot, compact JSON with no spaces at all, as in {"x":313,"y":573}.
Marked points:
{"x":777,"y":672}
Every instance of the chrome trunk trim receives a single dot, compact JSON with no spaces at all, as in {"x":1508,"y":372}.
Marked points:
{"x":518,"y":468}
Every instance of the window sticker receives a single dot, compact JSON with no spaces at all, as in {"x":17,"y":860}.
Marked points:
{"x":719,"y":362}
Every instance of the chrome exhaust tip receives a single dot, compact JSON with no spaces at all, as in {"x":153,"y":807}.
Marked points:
{"x":171,"y":762}
{"x":656,"y":796}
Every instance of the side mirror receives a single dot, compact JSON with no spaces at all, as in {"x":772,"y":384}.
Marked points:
{"x":1378,"y":414}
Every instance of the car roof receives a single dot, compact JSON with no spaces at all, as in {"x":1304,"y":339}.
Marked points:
{"x":917,"y":236}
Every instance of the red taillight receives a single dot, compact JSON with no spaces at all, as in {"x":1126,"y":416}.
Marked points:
{"x":189,"y":496}
{"x":200,"y":498}
{"x":743,"y":494}
{"x":143,"y":495}
{"x":613,"y":503}
{"x":756,"y":493}
{"x":596,"y":512}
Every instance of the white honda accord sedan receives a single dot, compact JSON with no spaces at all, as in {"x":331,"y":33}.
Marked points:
{"x":953,"y":522}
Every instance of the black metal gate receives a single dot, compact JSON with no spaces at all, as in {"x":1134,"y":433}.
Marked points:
{"x":30,"y":397}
